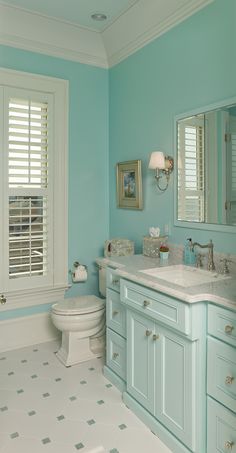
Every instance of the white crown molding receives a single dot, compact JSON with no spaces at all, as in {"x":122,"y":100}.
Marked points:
{"x":54,"y":51}
{"x":37,"y":33}
{"x":139,"y":25}
{"x":122,"y":41}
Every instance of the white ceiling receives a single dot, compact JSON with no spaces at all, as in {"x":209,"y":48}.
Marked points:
{"x":77,"y":12}
{"x":64,"y":28}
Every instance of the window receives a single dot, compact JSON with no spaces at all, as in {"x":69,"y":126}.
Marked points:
{"x":33,"y":234}
{"x":191,"y":191}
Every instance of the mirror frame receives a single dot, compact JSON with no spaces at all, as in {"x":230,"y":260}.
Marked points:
{"x":185,"y":224}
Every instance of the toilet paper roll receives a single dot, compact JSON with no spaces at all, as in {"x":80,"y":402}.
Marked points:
{"x":80,"y":274}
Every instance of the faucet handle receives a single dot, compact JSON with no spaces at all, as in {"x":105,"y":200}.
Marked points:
{"x":226,"y":261}
{"x":200,"y":257}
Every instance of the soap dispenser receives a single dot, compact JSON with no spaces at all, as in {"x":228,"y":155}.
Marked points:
{"x":189,"y":254}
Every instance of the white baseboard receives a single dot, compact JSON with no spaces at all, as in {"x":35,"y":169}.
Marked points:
{"x":26,"y":331}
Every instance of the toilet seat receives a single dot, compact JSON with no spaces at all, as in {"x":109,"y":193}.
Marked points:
{"x":80,"y":305}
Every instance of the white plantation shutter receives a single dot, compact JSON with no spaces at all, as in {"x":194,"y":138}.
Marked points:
{"x":28,"y":241}
{"x":33,"y":189}
{"x":191,"y":190}
{"x":27,"y":143}
{"x":29,"y":149}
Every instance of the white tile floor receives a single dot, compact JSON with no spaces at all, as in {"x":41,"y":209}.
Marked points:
{"x":45,"y":407}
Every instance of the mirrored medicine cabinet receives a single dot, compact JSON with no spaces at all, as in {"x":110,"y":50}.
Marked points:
{"x":205,"y":170}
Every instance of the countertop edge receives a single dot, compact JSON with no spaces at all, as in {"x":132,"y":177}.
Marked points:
{"x":204,"y":295}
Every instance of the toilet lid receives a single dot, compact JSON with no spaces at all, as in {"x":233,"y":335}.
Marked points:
{"x":78,"y":305}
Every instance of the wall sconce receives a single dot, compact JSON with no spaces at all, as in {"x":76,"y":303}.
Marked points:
{"x":163,"y":165}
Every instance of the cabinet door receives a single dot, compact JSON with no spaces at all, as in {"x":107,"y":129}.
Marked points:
{"x":115,"y":313}
{"x":175,"y":384}
{"x":221,"y":428}
{"x":140,"y":359}
{"x":116,"y":353}
{"x":221,"y":373}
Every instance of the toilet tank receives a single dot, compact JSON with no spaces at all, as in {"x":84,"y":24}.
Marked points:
{"x":102,"y":279}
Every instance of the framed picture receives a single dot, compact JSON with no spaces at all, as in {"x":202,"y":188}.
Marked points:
{"x":129,"y":185}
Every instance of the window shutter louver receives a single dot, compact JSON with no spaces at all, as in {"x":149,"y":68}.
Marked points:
{"x":28,"y":159}
{"x":27,"y":236}
{"x":28,"y":144}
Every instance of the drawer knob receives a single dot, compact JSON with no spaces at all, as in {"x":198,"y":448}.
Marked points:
{"x":115,"y":355}
{"x":148,"y":333}
{"x":229,"y":380}
{"x":229,"y":329}
{"x":115,"y":312}
{"x":115,"y":281}
{"x":146,"y":303}
{"x":229,"y":445}
{"x":3,"y":299}
{"x":155,"y":337}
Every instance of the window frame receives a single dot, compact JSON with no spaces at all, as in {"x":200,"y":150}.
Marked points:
{"x":17,"y":295}
{"x":185,"y":192}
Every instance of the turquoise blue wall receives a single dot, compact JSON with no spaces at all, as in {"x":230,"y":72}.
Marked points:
{"x":191,"y":66}
{"x":88,"y":157}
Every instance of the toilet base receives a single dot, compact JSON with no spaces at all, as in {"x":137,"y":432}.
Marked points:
{"x":75,"y":350}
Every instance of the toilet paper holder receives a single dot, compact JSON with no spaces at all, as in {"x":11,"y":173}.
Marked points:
{"x":77,"y":264}
{"x":79,"y":273}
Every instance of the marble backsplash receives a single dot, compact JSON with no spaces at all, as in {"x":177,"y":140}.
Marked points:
{"x":177,"y":250}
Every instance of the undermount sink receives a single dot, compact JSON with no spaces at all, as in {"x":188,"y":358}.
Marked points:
{"x":184,"y":275}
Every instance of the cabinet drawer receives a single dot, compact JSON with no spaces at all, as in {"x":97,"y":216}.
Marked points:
{"x":113,"y":280}
{"x":116,"y":353}
{"x":221,"y":428}
{"x":222,"y":324}
{"x":221,"y":372}
{"x":115,"y":313}
{"x":158,"y":306}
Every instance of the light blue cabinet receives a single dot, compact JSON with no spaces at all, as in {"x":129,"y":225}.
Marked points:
{"x":175,"y":387}
{"x":160,"y":375}
{"x":115,"y":367}
{"x":221,"y":380}
{"x":175,"y":364}
{"x":166,"y":366}
{"x":221,"y":373}
{"x":115,"y":313}
{"x":221,"y":429}
{"x":116,"y":353}
{"x":141,"y":359}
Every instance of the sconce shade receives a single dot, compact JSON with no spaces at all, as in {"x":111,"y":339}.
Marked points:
{"x":157,"y":160}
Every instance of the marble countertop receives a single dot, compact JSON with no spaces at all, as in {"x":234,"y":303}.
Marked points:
{"x":221,"y":292}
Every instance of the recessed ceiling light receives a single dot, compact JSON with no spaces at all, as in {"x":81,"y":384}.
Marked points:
{"x":99,"y":16}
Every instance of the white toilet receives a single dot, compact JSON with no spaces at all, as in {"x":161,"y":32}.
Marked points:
{"x":82,"y":323}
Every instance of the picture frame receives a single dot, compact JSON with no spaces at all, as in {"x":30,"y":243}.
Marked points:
{"x":129,"y":185}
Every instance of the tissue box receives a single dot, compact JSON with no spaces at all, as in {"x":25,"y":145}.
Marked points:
{"x":151,"y":246}
{"x":118,"y":247}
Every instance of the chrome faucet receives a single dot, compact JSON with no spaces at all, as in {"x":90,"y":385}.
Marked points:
{"x":210,"y":245}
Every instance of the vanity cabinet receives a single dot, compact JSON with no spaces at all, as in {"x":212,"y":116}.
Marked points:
{"x":221,"y":380}
{"x":141,"y":357}
{"x":115,"y":368}
{"x":166,"y":357}
{"x":160,"y":377}
{"x":175,"y":364}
